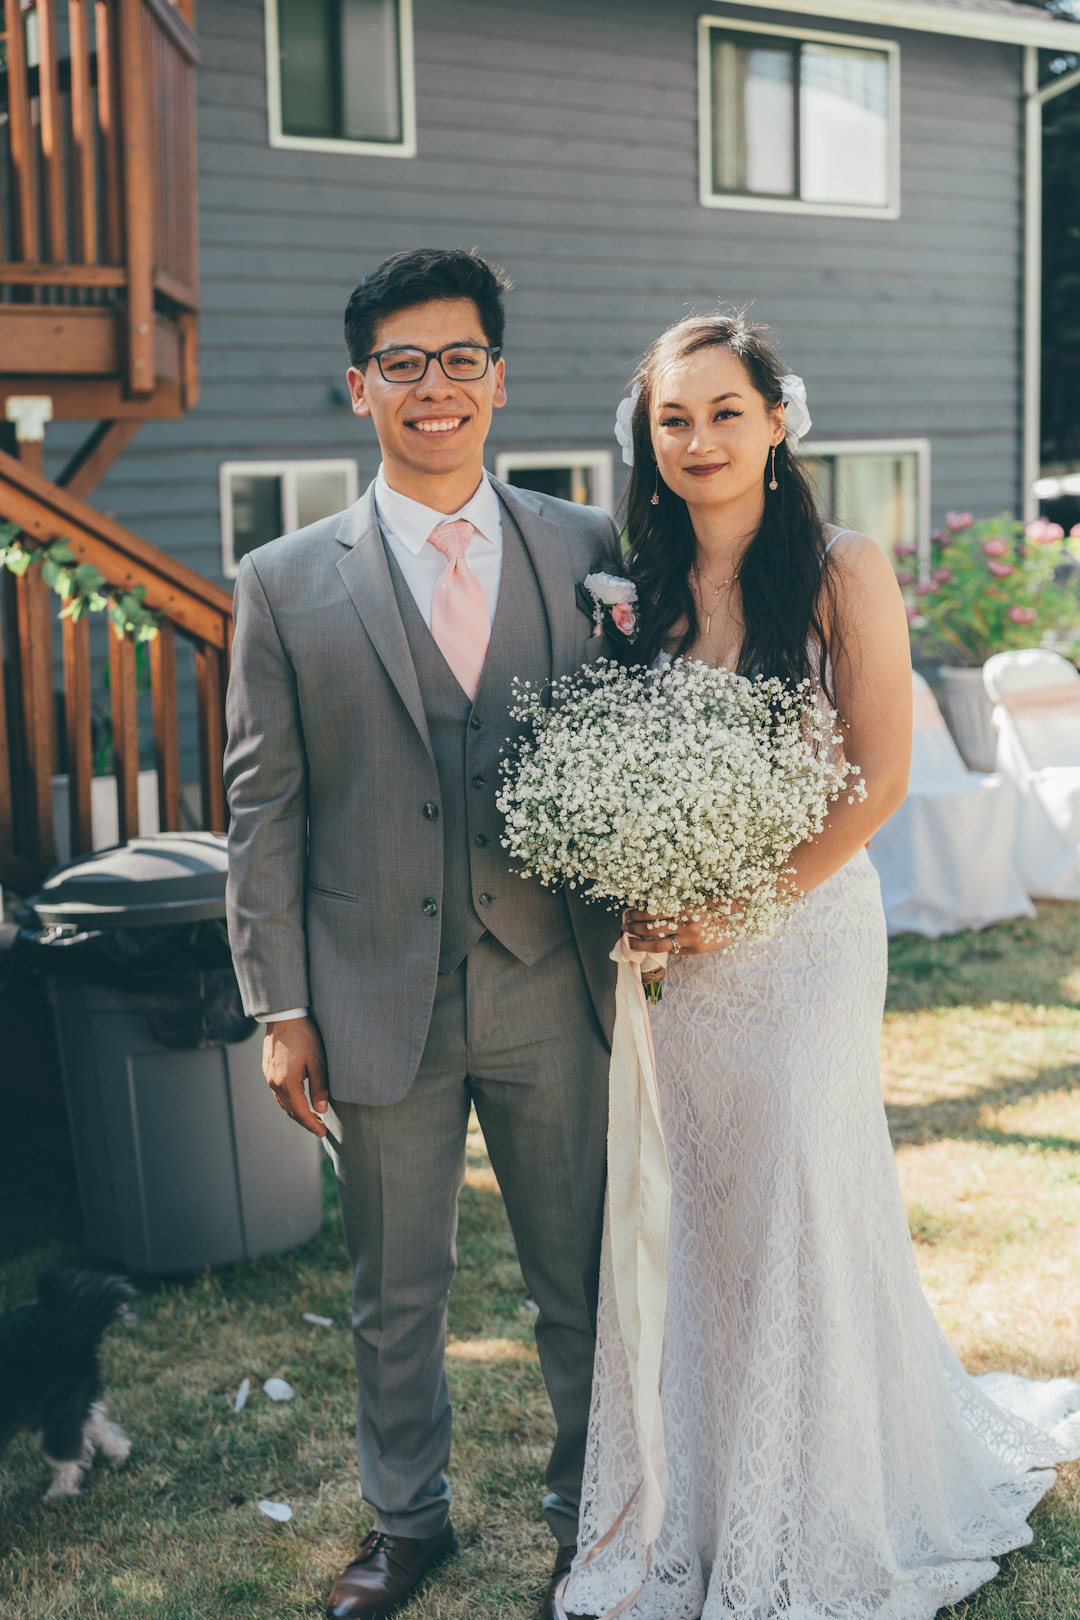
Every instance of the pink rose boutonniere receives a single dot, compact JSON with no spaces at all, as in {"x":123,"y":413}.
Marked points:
{"x":610,"y":600}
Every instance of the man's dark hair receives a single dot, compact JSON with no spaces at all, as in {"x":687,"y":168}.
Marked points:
{"x":416,"y":276}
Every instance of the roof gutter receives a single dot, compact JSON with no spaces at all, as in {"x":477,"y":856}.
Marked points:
{"x":1047,"y":33}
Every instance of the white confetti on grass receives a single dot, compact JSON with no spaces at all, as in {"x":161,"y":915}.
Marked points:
{"x":241,"y":1395}
{"x":278,"y":1389}
{"x":319,"y":1321}
{"x":280,"y":1512}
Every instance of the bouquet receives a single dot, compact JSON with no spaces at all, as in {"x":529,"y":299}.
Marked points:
{"x":680,"y":791}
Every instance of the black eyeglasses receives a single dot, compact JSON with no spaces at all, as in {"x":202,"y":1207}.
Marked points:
{"x":461,"y":362}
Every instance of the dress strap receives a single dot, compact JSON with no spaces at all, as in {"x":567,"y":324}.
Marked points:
{"x":839,"y":535}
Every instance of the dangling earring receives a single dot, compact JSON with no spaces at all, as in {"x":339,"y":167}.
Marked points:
{"x":773,"y":484}
{"x":654,"y":499}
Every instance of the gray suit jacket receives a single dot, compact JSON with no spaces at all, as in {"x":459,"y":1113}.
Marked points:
{"x":328,"y":759}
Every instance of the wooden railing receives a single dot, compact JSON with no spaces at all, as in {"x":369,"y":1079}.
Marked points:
{"x":193,"y":611}
{"x":98,"y":238}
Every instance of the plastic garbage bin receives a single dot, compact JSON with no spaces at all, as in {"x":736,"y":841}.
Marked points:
{"x":183,"y":1160}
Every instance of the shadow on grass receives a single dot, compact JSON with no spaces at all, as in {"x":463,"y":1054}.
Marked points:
{"x":957,"y":1118}
{"x":1029,"y":961}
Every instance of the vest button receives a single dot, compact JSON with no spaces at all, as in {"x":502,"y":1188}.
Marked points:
{"x":476,"y":723}
{"x":481,"y":841}
{"x":479,"y":781}
{"x":431,"y":812}
{"x":431,"y":908}
{"x":484,"y":899}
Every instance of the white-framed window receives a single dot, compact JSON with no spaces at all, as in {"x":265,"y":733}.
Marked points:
{"x":340,"y":76}
{"x":792,"y":120}
{"x":878,"y":486}
{"x":584,"y":476}
{"x":261,"y":500}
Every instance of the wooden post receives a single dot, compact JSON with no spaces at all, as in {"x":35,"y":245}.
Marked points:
{"x":34,"y":655}
{"x":33,"y":649}
{"x":125,"y":721}
{"x":96,"y":455}
{"x":166,"y":727}
{"x":80,"y":758}
{"x":52,"y":139}
{"x":84,"y":178}
{"x":21,"y":134}
{"x":108,"y":95}
{"x":7,"y":817}
{"x":210,"y":690}
{"x":138,"y":206}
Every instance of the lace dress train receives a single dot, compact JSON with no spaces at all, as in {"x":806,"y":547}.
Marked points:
{"x":828,"y":1456}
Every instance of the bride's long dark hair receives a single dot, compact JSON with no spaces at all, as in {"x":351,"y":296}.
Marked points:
{"x":785,"y":580}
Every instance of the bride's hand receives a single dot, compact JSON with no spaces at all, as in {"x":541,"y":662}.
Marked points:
{"x":667,"y":935}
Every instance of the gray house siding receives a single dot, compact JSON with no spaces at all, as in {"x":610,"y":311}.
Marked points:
{"x":562,"y":141}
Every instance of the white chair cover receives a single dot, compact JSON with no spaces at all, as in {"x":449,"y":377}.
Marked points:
{"x":1036,"y":698}
{"x":945,"y":857}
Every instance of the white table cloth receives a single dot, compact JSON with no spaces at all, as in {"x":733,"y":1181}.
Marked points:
{"x":945,"y":858}
{"x":1036,"y":697}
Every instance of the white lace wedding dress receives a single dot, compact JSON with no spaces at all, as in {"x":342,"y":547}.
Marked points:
{"x":828,"y":1456}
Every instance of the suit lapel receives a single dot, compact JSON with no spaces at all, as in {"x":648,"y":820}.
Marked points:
{"x":551,"y":561}
{"x":365,"y":573}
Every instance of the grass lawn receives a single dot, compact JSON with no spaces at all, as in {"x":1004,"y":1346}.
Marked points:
{"x":981,"y":1054}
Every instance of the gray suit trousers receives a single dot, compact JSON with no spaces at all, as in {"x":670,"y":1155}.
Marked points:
{"x":523,"y":1044}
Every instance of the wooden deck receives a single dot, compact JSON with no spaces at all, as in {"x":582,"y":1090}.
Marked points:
{"x":98,"y":241}
{"x":99,"y":316}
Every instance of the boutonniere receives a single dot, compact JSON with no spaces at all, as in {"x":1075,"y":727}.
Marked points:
{"x":610,"y":600}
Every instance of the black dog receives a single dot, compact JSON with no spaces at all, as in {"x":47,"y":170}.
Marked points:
{"x":50,"y":1381}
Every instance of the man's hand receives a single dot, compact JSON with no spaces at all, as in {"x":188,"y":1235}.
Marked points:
{"x":292,"y":1052}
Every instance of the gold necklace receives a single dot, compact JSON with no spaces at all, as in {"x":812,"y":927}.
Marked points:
{"x":717,"y":591}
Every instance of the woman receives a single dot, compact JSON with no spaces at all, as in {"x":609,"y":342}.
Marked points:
{"x":828,"y":1458}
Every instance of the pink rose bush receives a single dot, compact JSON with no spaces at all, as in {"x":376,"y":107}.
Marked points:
{"x":992,"y":584}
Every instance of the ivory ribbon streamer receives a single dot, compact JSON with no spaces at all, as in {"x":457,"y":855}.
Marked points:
{"x":1039,"y":698}
{"x":639,"y":1200}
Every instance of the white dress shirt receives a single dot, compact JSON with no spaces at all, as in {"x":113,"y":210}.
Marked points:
{"x":406,"y":524}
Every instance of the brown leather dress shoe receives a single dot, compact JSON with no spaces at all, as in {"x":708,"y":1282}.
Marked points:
{"x":564,"y":1557}
{"x":384,"y":1575}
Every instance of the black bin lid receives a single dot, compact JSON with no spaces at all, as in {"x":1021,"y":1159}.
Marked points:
{"x":158,"y":878}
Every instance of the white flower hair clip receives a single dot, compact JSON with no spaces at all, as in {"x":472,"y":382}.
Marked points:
{"x":624,"y":416}
{"x":797,"y":420}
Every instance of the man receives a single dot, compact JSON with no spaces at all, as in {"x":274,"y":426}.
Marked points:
{"x":404,"y":971}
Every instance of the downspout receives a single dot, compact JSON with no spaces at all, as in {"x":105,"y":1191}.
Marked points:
{"x":1035,"y":101}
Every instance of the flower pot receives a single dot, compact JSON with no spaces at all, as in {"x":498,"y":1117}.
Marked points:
{"x":104,"y":816}
{"x":968,"y":712}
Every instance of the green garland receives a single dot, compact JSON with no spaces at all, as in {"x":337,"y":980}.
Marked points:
{"x":81,"y":587}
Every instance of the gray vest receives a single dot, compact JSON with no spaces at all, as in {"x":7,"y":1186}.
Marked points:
{"x":480,"y":891}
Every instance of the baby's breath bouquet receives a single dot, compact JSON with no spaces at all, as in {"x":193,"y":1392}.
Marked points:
{"x":680,"y":791}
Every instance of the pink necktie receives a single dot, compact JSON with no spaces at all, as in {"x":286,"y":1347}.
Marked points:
{"x":460,"y":618}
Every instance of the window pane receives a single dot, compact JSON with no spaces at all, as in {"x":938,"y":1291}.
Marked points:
{"x":878,"y":494}
{"x":753,"y":117}
{"x":370,"y":70}
{"x":567,"y":483}
{"x":256,"y":511}
{"x":320,"y":491}
{"x":308,"y":91}
{"x":340,"y":69}
{"x":844,"y":126}
{"x":820,"y":469}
